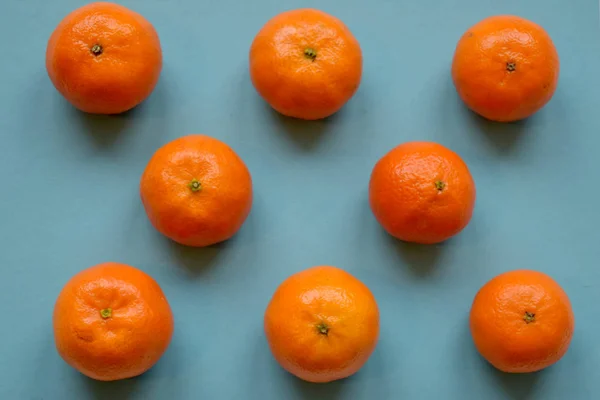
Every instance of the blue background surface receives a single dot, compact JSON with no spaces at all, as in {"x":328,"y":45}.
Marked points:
{"x":70,"y":200}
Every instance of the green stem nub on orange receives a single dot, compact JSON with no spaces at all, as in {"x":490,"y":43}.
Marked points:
{"x":529,"y":317}
{"x":195,"y":185}
{"x":511,"y":66}
{"x":96,"y":49}
{"x":323,"y":328}
{"x":439,"y":185}
{"x":106,"y":313}
{"x":310,"y":53}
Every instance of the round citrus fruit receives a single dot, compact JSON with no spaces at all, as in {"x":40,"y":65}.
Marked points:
{"x":422,"y":192}
{"x":505,"y":68}
{"x":522,"y":321}
{"x":111,"y":322}
{"x":104,"y":58}
{"x":196,"y":190}
{"x":322,"y":324}
{"x":306,"y":64}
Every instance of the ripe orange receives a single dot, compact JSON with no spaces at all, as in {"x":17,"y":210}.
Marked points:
{"x":522,"y":321}
{"x":104,"y":58}
{"x":112,"y":321}
{"x":505,"y":68}
{"x":196,"y":190}
{"x":306,"y":64}
{"x":322,"y":324}
{"x":422,"y":192}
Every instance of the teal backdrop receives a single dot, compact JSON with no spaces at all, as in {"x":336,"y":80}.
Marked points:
{"x":70,"y":200}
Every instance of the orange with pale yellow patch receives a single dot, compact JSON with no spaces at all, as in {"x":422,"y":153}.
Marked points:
{"x":522,"y":321}
{"x":111,"y":322}
{"x":322,"y":324}
{"x":505,"y":68}
{"x":305,"y":63}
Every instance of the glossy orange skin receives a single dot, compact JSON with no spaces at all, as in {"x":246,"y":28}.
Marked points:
{"x":196,"y":218}
{"x":499,"y":329}
{"x":404,"y":197}
{"x":317,"y":295}
{"x":481,"y":74}
{"x":118,"y":79}
{"x":294,"y":84}
{"x":124,"y":345}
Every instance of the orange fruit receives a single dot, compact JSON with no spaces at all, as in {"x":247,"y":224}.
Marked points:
{"x":422,"y":192}
{"x":112,"y":321}
{"x":196,"y":190}
{"x":505,"y":68}
{"x":104,"y":58}
{"x":522,"y":321}
{"x":305,"y":63}
{"x":322,"y":324}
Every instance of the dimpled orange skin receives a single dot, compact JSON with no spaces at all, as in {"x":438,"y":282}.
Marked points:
{"x":306,"y":64}
{"x":132,"y":334}
{"x":422,"y":192}
{"x":505,"y":68}
{"x":522,"y":321}
{"x":322,"y":324}
{"x":114,"y":77}
{"x":211,"y":211}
